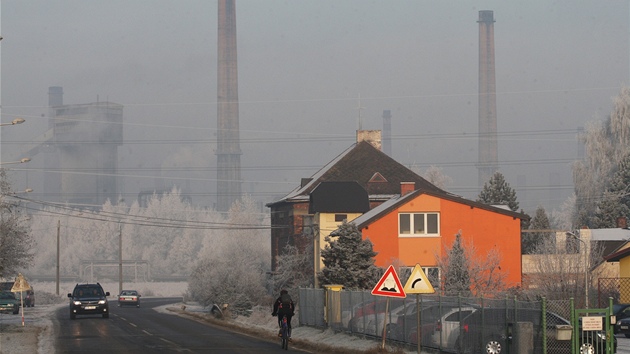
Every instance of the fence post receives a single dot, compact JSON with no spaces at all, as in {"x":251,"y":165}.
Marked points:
{"x":544,"y":324}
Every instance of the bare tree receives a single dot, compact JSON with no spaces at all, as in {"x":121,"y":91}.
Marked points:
{"x":436,"y":176}
{"x":15,"y":239}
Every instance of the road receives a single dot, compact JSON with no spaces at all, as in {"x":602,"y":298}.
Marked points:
{"x":141,"y":330}
{"x":623,"y":344}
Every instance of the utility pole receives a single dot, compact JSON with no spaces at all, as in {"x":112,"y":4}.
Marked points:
{"x":58,"y":227}
{"x":120,"y":262}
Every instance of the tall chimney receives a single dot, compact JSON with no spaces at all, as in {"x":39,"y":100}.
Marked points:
{"x":387,"y":132}
{"x":488,"y":147}
{"x":228,"y":144}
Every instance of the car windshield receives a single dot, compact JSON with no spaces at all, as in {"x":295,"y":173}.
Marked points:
{"x":88,"y":291}
{"x":7,"y":296}
{"x":129,"y":293}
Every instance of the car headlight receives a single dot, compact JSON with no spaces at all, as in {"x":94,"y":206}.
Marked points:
{"x":77,"y":303}
{"x":101,"y":302}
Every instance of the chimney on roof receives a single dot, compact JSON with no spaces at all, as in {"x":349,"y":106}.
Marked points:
{"x":407,"y":187}
{"x":622,"y":222}
{"x":371,"y":136}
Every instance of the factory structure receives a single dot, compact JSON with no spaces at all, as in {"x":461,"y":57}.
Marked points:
{"x":488,"y":146}
{"x":79,"y":151}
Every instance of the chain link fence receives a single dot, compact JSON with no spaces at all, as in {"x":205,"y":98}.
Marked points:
{"x":445,"y":323}
{"x":616,"y":288}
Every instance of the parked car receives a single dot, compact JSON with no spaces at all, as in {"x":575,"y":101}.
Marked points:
{"x":88,"y":299}
{"x":487,"y":330}
{"x":9,"y":303}
{"x":129,"y":297}
{"x":620,"y":311}
{"x":447,"y":329}
{"x":29,"y":298}
{"x":368,"y":317}
{"x":623,"y":327}
{"x":406,"y":326}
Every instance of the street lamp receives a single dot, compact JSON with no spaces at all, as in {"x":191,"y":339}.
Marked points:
{"x":14,"y":122}
{"x":585,"y":266}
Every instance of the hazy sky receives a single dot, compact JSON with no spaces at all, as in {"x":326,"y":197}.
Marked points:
{"x":302,"y":66}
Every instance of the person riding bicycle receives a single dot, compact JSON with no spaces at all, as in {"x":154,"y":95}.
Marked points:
{"x":283,"y":307}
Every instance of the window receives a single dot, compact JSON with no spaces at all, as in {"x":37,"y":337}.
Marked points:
{"x":341,"y":217}
{"x":418,"y":224}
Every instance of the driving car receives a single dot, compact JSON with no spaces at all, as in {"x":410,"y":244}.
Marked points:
{"x":129,"y":297}
{"x":9,"y":303}
{"x":620,"y":311}
{"x":88,"y":299}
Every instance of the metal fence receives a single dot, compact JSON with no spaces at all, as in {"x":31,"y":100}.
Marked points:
{"x":616,"y":288}
{"x":448,"y":324}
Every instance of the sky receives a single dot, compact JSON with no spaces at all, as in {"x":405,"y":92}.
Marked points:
{"x":304,"y":69}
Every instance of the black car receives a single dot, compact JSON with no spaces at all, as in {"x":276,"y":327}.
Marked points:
{"x":623,"y":327}
{"x":620,"y":311}
{"x":88,"y":299}
{"x":492,"y":330}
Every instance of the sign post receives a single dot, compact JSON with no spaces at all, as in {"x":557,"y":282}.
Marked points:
{"x":418,"y":284}
{"x":389,"y":285}
{"x":20,"y":285}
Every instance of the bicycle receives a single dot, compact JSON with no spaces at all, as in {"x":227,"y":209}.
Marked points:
{"x":285,"y":333}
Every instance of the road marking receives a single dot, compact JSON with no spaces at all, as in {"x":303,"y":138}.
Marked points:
{"x":147,"y":332}
{"x":133,"y":324}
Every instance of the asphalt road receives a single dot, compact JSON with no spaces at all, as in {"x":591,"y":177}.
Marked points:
{"x":143,"y":330}
{"x":623,"y":344}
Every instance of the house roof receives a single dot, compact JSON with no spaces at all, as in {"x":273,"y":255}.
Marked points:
{"x":339,"y":197}
{"x":379,"y":174}
{"x":387,"y":207}
{"x":617,"y":256}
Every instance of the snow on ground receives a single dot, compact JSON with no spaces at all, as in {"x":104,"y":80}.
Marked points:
{"x":33,"y":332}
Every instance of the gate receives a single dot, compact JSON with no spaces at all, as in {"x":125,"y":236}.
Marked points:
{"x":592,"y":330}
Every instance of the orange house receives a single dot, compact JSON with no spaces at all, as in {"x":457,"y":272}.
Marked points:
{"x":418,"y":225}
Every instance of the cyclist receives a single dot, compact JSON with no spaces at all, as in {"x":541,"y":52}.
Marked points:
{"x":283,"y":307}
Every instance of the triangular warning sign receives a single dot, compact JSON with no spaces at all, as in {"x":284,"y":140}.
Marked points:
{"x":20,"y":284}
{"x":389,"y":285}
{"x":418,"y":282}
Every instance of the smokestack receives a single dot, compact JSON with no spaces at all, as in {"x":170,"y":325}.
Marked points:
{"x":55,"y":96}
{"x":228,"y":144}
{"x":488,"y":147}
{"x":387,"y":132}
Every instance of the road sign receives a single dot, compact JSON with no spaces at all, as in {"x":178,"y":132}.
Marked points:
{"x":20,"y":284}
{"x":418,"y":282}
{"x":389,"y":285}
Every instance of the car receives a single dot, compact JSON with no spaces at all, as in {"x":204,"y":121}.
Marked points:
{"x":446,"y":330}
{"x":368,"y":317}
{"x":9,"y":303}
{"x":88,"y":299}
{"x":487,"y":331}
{"x":623,"y":327}
{"x":406,"y":326}
{"x":620,"y":311}
{"x":129,"y":297}
{"x":29,"y":298}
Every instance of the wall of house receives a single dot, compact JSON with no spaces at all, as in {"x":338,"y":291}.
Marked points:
{"x":481,"y":228}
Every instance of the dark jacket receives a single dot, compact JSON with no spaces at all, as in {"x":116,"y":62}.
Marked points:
{"x":279,"y":309}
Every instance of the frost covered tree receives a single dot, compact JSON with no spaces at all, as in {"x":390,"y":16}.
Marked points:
{"x":606,"y":145}
{"x":295,"y":269}
{"x":235,"y":272}
{"x":467,"y":272}
{"x":498,"y":192}
{"x":615,"y":201}
{"x":538,"y":231}
{"x":348,"y":259}
{"x":455,"y":267}
{"x":15,"y":239}
{"x":436,"y":176}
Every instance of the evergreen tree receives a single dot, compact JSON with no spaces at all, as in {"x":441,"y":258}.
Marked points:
{"x":498,"y":191}
{"x":348,"y":259}
{"x":530,"y":240}
{"x":456,"y":274}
